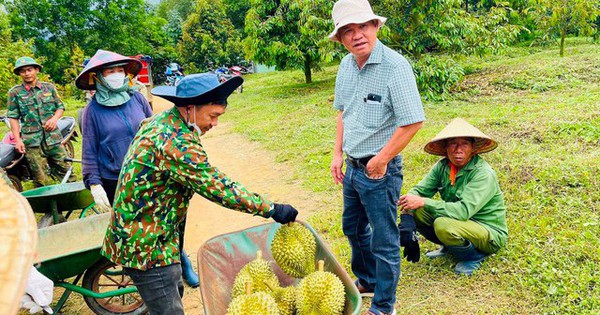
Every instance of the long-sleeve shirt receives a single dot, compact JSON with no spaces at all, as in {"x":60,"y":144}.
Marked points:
{"x":107,"y":133}
{"x":475,"y":196}
{"x":165,"y":165}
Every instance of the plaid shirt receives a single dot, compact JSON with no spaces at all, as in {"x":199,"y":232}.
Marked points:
{"x":370,"y":122}
{"x":165,"y":165}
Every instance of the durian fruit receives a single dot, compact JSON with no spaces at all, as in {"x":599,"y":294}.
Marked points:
{"x":294,"y":248}
{"x":321,"y":292}
{"x":285,"y":299}
{"x":258,"y":273}
{"x":258,"y":303}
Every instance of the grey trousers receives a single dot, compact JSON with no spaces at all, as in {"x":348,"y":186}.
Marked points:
{"x":161,"y":288}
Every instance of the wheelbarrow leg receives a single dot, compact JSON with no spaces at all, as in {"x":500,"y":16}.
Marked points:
{"x":54,"y":207}
{"x":65,"y":295}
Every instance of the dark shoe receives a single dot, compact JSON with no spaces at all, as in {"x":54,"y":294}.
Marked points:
{"x":364,"y":292}
{"x":187,"y":271}
{"x":469,"y":258}
{"x":370,"y":312}
{"x":440,"y":252}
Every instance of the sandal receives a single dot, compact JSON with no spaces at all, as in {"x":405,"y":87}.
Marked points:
{"x":364,"y":292}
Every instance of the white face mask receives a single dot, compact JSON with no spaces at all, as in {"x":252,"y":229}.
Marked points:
{"x":115,"y":80}
{"x":194,"y":125}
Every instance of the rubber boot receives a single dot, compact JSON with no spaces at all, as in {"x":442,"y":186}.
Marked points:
{"x":469,"y":258}
{"x":440,"y":252}
{"x":189,"y":275}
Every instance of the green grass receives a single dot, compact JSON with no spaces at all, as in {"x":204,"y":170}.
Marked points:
{"x":545,"y":113}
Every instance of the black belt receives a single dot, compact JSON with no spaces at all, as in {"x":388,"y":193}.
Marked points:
{"x":359,"y":163}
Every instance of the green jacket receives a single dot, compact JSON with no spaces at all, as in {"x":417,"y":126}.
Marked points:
{"x":34,"y":106}
{"x":164,"y":166}
{"x":475,"y":196}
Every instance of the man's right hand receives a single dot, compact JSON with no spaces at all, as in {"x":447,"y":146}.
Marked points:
{"x":336,"y":170}
{"x":20,"y":146}
{"x":100,"y":198}
{"x":284,"y":213}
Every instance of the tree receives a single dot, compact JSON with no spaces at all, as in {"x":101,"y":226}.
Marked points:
{"x":9,"y":52}
{"x":208,"y":36}
{"x":562,"y":17}
{"x":289,"y":34}
{"x":175,"y":12}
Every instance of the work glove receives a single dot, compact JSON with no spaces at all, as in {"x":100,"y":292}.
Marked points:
{"x":284,"y":213}
{"x":100,"y":198}
{"x":408,"y":238}
{"x":38,"y":293}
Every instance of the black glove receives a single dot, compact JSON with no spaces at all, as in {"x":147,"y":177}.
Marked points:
{"x":408,"y":238}
{"x":284,"y":213}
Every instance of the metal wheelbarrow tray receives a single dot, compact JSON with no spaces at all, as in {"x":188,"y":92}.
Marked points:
{"x":222,"y":257}
{"x":55,"y":199}
{"x":72,"y":249}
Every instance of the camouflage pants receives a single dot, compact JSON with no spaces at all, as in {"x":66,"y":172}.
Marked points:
{"x":41,"y":157}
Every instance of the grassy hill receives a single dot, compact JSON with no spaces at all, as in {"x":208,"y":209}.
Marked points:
{"x":545,"y":113}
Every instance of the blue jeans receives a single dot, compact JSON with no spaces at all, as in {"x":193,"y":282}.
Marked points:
{"x":161,"y":288}
{"x":369,"y":222}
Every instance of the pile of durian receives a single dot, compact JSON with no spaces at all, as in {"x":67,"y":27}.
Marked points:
{"x":257,"y":291}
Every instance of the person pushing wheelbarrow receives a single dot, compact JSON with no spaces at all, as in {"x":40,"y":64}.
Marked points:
{"x":163,"y":168}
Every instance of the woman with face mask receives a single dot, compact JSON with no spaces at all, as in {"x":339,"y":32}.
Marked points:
{"x":109,"y":121}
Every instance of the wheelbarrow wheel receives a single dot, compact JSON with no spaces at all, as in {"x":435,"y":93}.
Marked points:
{"x":70,"y":149}
{"x":16,"y":182}
{"x":105,"y":276}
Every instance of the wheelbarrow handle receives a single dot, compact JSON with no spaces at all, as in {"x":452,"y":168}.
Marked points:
{"x":68,"y":159}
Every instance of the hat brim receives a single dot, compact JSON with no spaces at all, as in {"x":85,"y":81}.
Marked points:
{"x":218,"y":93}
{"x":16,"y":70}
{"x":481,"y":145}
{"x":131,"y":66}
{"x":362,"y":18}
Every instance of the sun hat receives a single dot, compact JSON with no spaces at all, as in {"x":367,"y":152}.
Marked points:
{"x":105,"y":59}
{"x":352,"y":12}
{"x":198,"y":89}
{"x":23,"y":62}
{"x":18,"y":246}
{"x":459,"y":128}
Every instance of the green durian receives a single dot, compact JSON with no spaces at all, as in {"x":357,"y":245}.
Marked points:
{"x":320,"y":293}
{"x":294,"y":248}
{"x":285,"y":299}
{"x":258,"y":273}
{"x":258,"y":303}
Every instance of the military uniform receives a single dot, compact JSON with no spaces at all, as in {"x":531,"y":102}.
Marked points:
{"x":165,"y":165}
{"x":33,"y":106}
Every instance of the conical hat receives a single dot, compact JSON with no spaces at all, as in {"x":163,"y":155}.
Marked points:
{"x":459,"y":128}
{"x":19,"y":241}
{"x":101,"y":59}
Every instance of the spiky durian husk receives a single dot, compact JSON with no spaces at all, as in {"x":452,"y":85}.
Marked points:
{"x":321,"y":292}
{"x":260,"y":276}
{"x":294,"y":249}
{"x":259,"y":303}
{"x":286,"y":300}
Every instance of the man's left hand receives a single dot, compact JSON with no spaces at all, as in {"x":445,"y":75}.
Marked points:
{"x":50,"y":124}
{"x":376,"y":168}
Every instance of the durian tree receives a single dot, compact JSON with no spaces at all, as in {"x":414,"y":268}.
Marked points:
{"x":290,"y":34}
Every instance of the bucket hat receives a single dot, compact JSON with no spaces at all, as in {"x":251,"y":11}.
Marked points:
{"x":198,"y":89}
{"x":459,"y":128}
{"x":23,"y":62}
{"x":352,"y":12}
{"x":103,"y":59}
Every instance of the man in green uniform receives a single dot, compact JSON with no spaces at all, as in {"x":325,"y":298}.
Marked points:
{"x":470,"y":220}
{"x":37,"y":106}
{"x":163,"y":168}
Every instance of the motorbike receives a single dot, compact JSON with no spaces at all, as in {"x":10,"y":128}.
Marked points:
{"x":14,"y":162}
{"x":225,"y":74}
{"x":173,"y":79}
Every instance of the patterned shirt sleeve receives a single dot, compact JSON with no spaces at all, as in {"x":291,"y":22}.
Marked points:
{"x":188,"y":164}
{"x":12,"y":106}
{"x":57,"y":100}
{"x":402,"y":88}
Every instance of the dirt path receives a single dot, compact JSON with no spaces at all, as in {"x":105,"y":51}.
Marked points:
{"x":249,"y":164}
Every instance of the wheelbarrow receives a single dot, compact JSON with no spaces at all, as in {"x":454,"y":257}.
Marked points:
{"x":72,"y":249}
{"x":222,"y":257}
{"x":55,"y":199}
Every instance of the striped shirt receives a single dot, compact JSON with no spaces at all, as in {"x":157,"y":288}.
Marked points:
{"x":375,"y":100}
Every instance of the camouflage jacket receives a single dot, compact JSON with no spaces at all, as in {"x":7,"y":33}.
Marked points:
{"x":163,"y":168}
{"x":34,"y":106}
